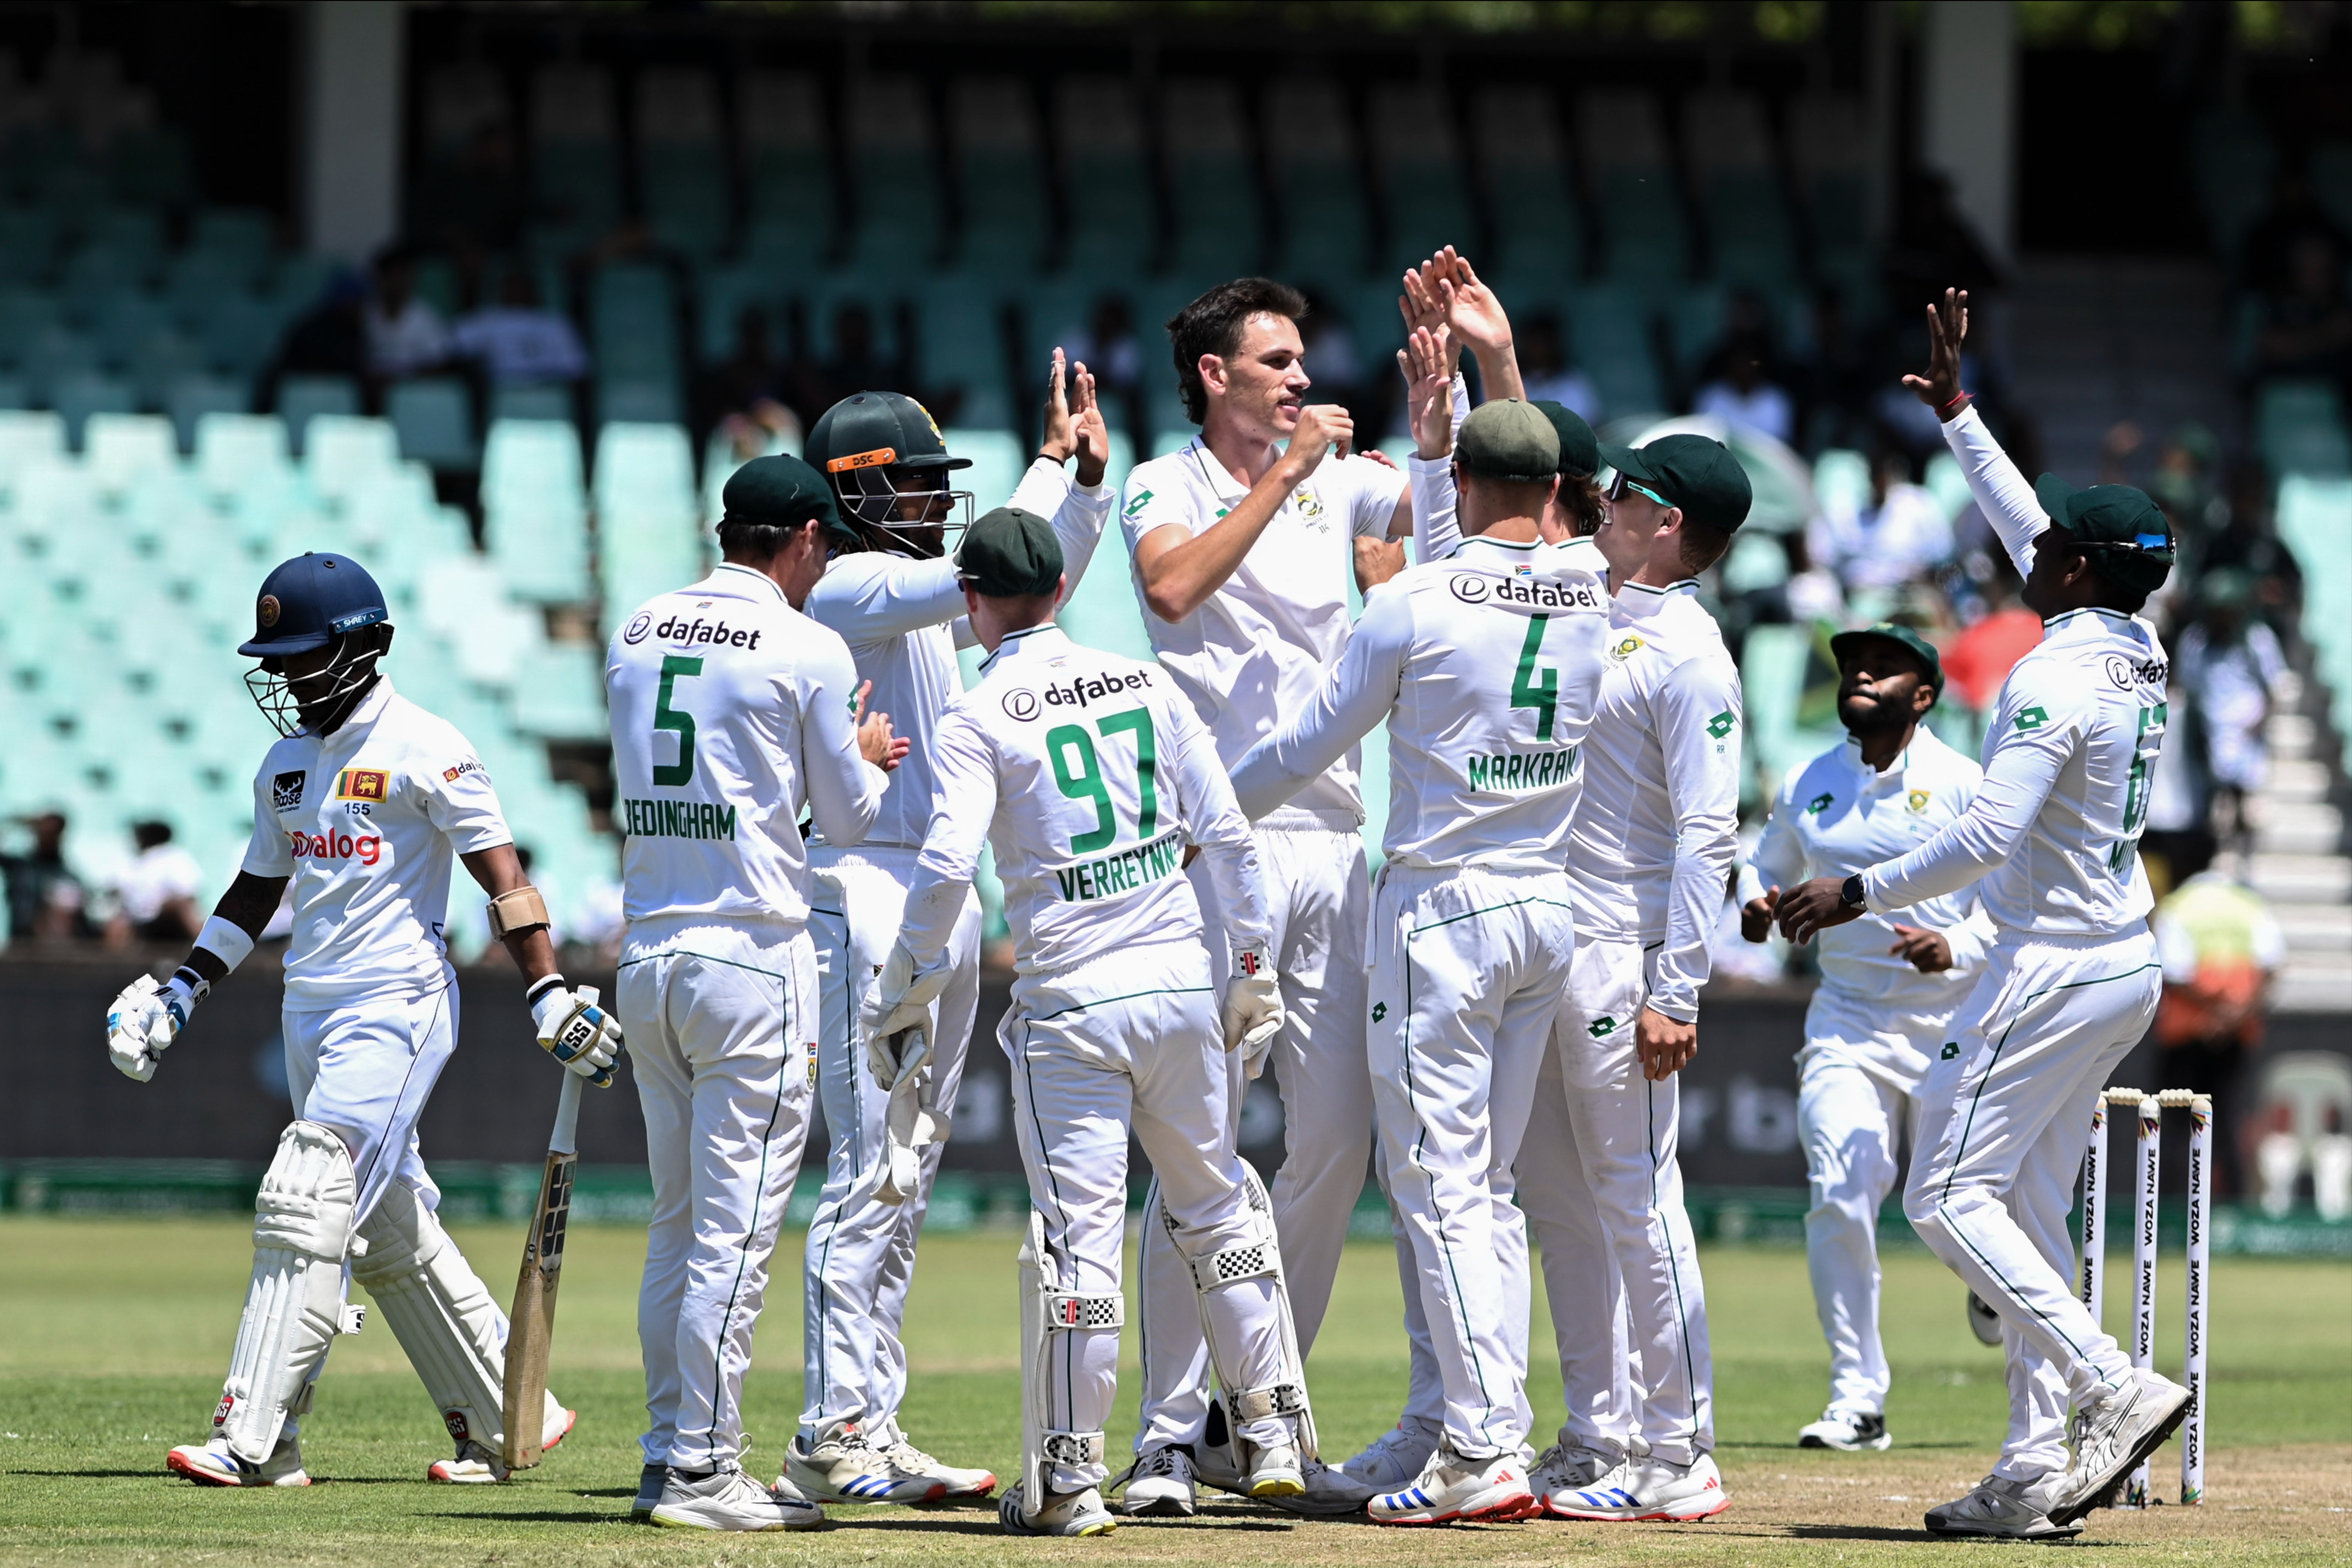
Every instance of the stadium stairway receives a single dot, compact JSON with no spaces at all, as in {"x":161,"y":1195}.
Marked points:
{"x":2298,"y":862}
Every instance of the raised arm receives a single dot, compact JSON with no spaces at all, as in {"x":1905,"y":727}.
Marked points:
{"x":1360,"y":692}
{"x":2002,"y":492}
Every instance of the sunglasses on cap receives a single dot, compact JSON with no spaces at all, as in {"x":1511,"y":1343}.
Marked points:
{"x":1620,"y":484}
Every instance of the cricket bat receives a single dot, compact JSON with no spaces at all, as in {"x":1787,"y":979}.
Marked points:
{"x":531,"y":1327}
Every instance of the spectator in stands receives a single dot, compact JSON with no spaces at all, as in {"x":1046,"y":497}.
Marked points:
{"x":1334,"y":365}
{"x":1814,"y":594}
{"x":1834,"y":378}
{"x":857,"y":365}
{"x":1902,"y":534}
{"x":157,"y":892}
{"x":518,"y":341}
{"x":2221,"y":948}
{"x":743,"y":396}
{"x":44,"y":898}
{"x":405,"y":336}
{"x":1108,"y":347}
{"x":2231,"y":666}
{"x":1978,"y":659}
{"x":1934,"y":245}
{"x":2183,"y":484}
{"x":1544,"y":366}
{"x":2307,"y":323}
{"x":330,"y":339}
{"x":1744,"y":397}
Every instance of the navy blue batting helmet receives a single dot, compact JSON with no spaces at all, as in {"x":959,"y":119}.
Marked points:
{"x":311,"y":601}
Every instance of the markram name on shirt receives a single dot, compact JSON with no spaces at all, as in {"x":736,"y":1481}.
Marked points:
{"x":1521,"y":770}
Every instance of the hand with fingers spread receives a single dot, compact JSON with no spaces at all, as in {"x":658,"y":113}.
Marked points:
{"x":876,"y":744}
{"x":1429,"y":390}
{"x":1940,"y":389}
{"x":1422,"y":306}
{"x":1479,"y":324}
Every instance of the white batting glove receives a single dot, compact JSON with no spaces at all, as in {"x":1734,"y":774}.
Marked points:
{"x":901,"y":1000}
{"x":146,"y":1019}
{"x":1252,"y":1013}
{"x":576,"y":1031}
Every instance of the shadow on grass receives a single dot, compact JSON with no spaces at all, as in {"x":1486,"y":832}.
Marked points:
{"x":1907,"y":1445}
{"x":1891,"y":1533}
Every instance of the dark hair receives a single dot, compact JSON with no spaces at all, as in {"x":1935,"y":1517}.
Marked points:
{"x":755,"y":542}
{"x":1579,"y":497}
{"x":1703,"y":546}
{"x":148,"y":835}
{"x":1213,"y":325}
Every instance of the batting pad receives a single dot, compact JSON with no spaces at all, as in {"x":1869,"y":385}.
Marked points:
{"x":1252,"y":1345}
{"x":1045,"y":1314}
{"x":301,"y":1229}
{"x":455,"y":1335}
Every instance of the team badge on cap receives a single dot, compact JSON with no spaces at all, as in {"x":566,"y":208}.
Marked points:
{"x":269,"y":615}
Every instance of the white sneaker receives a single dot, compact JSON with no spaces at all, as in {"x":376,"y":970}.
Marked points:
{"x":1566,"y":1470}
{"x":2112,"y":1436}
{"x":1395,"y":1459}
{"x":1646,"y":1489}
{"x":1160,"y":1483}
{"x":1847,"y":1431}
{"x":1454,"y":1489}
{"x":910,"y":1460}
{"x":212,"y":1465}
{"x":1065,"y":1513}
{"x":1275,"y":1472}
{"x":2004,"y":1510}
{"x":845,"y":1468}
{"x":730,"y":1501}
{"x":649,"y":1489}
{"x":477,"y":1466}
{"x":1984,"y":1321}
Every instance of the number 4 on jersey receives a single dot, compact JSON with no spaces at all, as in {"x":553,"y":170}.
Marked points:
{"x":1526,"y":692}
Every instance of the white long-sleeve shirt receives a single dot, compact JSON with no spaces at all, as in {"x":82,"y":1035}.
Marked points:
{"x":2070,"y":753}
{"x":1486,"y":666}
{"x":1655,"y":838}
{"x":1090,"y":774}
{"x":902,"y":618}
{"x":1836,"y":816}
{"x":1258,"y":648}
{"x":730,"y":711}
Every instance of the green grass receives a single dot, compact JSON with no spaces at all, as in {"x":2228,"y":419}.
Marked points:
{"x":117,"y":1332}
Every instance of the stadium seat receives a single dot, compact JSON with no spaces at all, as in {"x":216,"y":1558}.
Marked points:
{"x":1213,"y":204}
{"x":788,"y":163}
{"x":2231,"y":160}
{"x":959,"y":345}
{"x":1318,"y":185}
{"x":681,"y":168}
{"x":26,"y":437}
{"x":2299,"y":429}
{"x":647,"y":401}
{"x":79,"y":393}
{"x":301,"y":399}
{"x":649,"y":536}
{"x":238,"y":452}
{"x":1114,"y":225}
{"x":1537,"y":224}
{"x":2329,"y":166}
{"x":122,"y":449}
{"x":532,"y":457}
{"x":1000,"y":174}
{"x":432,"y":417}
{"x":998,"y":461}
{"x":1424,"y":188}
{"x":559,"y":692}
{"x":898,"y":199}
{"x":1609,"y":326}
{"x":1645,"y":241}
{"x":344,"y":452}
{"x":543,"y":400}
{"x":2314,"y":521}
{"x":240,"y":235}
{"x":575,"y":164}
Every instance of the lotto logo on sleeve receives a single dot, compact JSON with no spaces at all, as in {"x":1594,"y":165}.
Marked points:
{"x":1721,"y":724}
{"x":2032,"y":718}
{"x":1819,"y":804}
{"x":363,"y":784}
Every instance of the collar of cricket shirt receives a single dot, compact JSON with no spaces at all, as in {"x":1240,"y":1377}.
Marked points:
{"x":752,"y":581}
{"x":1034,"y":642}
{"x":1642,"y":600}
{"x":362,"y":718}
{"x":1221,"y":484}
{"x":1872,"y":778}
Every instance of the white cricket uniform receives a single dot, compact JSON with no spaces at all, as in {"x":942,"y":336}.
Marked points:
{"x":366,"y":822}
{"x":1649,"y":857}
{"x":731,"y":712}
{"x":902,"y":618}
{"x":1089,"y":776}
{"x":2072,"y":978}
{"x":1255,"y":653}
{"x":1875,"y":1020}
{"x":1487,"y":670}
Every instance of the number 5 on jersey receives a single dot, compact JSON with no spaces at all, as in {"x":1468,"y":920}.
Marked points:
{"x":677,"y":774}
{"x":1083,"y":779}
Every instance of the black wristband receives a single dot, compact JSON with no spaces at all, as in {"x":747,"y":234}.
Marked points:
{"x":1850,"y":894}
{"x":531,"y":997}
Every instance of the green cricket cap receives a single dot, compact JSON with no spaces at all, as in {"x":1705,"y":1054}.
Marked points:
{"x":1010,"y":553}
{"x":1580,"y":449}
{"x":2128,"y":533}
{"x":1699,"y":475}
{"x":1903,"y":636}
{"x":782,"y":491}
{"x":1508,"y":439}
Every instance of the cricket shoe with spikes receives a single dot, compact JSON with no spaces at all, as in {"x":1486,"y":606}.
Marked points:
{"x":1847,"y":1431}
{"x":729,"y":1499}
{"x":2004,"y":1510}
{"x":1280,"y":1478}
{"x":961,"y":1482}
{"x":1453,"y":1490}
{"x":2112,"y":1435}
{"x":477,"y":1465}
{"x":212,"y":1465}
{"x":1065,"y":1513}
{"x":1395,"y":1457}
{"x":1646,"y":1489}
{"x":1160,"y":1484}
{"x":845,"y":1466}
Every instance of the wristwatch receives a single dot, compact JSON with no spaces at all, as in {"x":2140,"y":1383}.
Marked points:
{"x":1850,"y":893}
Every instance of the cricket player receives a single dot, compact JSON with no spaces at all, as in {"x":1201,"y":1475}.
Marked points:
{"x":732,"y":713}
{"x":1889,"y":986}
{"x":1240,"y":545}
{"x":1091,"y":777}
{"x":891,"y":593}
{"x":361,"y":805}
{"x":2071,"y":981}
{"x":1487,"y":666}
{"x":1650,"y":858}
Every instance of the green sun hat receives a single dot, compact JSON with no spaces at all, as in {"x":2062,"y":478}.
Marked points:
{"x":1508,"y":439}
{"x":782,"y":491}
{"x":2129,"y":531}
{"x":1010,"y":554}
{"x":1692,"y":472}
{"x":1903,"y":636}
{"x":1580,"y":448}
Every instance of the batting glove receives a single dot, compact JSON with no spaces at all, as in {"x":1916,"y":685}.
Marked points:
{"x":146,"y":1019}
{"x":575,"y":1030}
{"x":901,"y":1000}
{"x":1253,"y":1003}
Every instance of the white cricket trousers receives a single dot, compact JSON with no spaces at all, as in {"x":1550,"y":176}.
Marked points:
{"x":2006,"y":1113}
{"x":1318,"y":896}
{"x":1467,"y":966}
{"x":861,"y":1251}
{"x":720,"y":1020}
{"x":1624,"y":1131}
{"x":1131,"y":1042}
{"x":1857,"y":1083}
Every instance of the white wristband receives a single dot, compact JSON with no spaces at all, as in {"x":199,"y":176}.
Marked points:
{"x":225,"y":940}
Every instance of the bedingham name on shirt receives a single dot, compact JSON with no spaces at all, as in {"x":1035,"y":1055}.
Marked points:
{"x":1124,"y":872}
{"x":677,"y":819}
{"x":1521,"y":770}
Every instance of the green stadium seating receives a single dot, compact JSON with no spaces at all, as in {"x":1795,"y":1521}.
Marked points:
{"x":121,"y":448}
{"x":345,"y":453}
{"x":433,"y":418}
{"x":2299,"y":429}
{"x":304,"y":399}
{"x":2314,"y":521}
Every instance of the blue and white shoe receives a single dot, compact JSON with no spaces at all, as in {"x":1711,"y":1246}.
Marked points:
{"x":1649,"y":1488}
{"x":212,"y":1465}
{"x":1453,"y":1490}
{"x":845,"y":1468}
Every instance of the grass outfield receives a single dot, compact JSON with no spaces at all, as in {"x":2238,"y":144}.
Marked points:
{"x":117,"y":1332}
